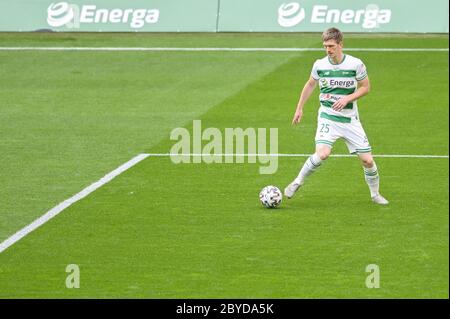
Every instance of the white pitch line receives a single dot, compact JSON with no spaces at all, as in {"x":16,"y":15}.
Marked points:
{"x":300,"y":155}
{"x":216,"y":49}
{"x":61,"y":206}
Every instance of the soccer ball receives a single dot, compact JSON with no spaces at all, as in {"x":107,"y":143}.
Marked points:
{"x":270,"y":196}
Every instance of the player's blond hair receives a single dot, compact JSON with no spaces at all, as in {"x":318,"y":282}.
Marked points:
{"x":332,"y":34}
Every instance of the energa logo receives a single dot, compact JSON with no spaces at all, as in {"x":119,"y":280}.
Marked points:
{"x":59,"y":14}
{"x":370,"y":17}
{"x":290,"y":14}
{"x":72,"y":15}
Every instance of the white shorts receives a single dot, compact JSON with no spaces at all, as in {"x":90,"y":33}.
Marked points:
{"x":330,"y":129}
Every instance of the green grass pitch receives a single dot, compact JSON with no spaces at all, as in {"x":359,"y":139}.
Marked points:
{"x":161,"y":230}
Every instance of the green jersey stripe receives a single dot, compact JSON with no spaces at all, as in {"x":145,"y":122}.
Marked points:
{"x":361,"y":78}
{"x":324,"y":142}
{"x":330,"y":104}
{"x":335,"y":118}
{"x":341,"y":91}
{"x":336,"y":73}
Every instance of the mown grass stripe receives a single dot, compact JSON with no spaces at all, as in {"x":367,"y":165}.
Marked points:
{"x":216,"y":49}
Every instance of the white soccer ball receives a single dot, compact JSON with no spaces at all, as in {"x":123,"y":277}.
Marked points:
{"x":270,"y":196}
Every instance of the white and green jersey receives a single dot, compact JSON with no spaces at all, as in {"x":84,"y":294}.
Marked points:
{"x":335,"y":81}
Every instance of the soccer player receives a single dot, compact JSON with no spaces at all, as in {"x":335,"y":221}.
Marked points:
{"x":342,"y":80}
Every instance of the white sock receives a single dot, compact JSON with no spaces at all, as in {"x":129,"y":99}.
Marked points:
{"x":372,"y":179}
{"x":311,"y":165}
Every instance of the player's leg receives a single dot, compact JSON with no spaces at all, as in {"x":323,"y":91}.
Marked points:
{"x":313,"y":162}
{"x":326,"y":134}
{"x":357,"y":143}
{"x":372,"y":177}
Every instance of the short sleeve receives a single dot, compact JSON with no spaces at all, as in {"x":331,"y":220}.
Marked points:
{"x":314,"y":73}
{"x":361,"y":71}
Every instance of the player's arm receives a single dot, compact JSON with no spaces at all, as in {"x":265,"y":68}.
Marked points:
{"x":306,"y":93}
{"x":363,"y":89}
